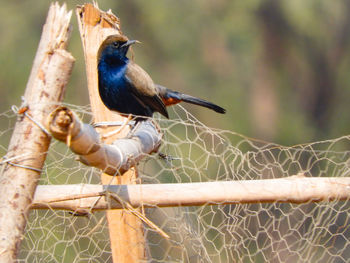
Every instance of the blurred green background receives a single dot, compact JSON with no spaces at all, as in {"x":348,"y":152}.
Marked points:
{"x":280,"y":68}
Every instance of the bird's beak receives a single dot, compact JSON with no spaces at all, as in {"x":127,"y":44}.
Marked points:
{"x":130,"y":42}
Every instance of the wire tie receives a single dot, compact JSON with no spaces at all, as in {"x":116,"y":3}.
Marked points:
{"x":112,"y":123}
{"x":23,"y":111}
{"x":25,"y":167}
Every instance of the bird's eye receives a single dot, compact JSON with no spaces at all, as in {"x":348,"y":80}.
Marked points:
{"x":116,"y":44}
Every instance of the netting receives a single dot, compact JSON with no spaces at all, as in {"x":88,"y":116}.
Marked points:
{"x":260,"y":232}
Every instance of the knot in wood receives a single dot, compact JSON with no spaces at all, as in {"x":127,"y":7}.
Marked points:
{"x":63,"y":119}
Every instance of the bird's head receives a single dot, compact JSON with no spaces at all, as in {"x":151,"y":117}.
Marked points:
{"x":116,"y":46}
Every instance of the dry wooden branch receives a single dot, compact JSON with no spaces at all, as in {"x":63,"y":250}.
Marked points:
{"x":294,"y":189}
{"x":45,"y":89}
{"x":125,"y":230}
{"x":113,"y":159}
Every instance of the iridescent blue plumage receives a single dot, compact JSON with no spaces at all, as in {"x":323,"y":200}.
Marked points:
{"x":116,"y":90}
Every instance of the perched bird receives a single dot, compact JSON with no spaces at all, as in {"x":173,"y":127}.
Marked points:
{"x":126,"y":88}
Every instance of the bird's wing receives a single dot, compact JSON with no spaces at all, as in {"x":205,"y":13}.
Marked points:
{"x":143,"y":88}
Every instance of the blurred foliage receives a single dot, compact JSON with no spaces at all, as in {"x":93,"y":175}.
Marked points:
{"x":278,"y":67}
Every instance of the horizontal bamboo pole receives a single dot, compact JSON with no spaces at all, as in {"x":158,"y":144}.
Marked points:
{"x":294,"y":189}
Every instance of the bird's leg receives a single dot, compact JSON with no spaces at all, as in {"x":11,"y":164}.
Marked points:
{"x":124,"y":124}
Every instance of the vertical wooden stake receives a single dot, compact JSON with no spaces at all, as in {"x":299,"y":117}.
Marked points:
{"x":29,"y":143}
{"x":126,"y":230}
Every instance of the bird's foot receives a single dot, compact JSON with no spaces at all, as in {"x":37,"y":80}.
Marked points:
{"x":122,"y":125}
{"x":125,"y":123}
{"x":167,"y":158}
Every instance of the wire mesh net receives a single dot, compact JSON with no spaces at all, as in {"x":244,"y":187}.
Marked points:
{"x":259,"y":232}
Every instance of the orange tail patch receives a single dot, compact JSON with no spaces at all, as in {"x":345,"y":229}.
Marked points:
{"x":170,"y":101}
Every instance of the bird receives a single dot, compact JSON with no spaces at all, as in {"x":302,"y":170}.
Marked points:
{"x":126,"y":88}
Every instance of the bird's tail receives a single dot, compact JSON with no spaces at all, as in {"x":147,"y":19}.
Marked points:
{"x":171,"y":97}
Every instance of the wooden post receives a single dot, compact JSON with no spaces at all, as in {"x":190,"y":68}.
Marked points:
{"x":125,"y":230}
{"x":29,"y":143}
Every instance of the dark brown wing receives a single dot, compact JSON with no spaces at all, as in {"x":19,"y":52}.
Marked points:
{"x":144,"y":90}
